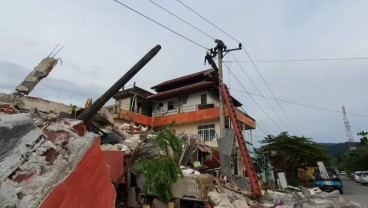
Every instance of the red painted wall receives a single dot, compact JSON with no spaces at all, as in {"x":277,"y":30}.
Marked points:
{"x":181,"y":118}
{"x":115,"y":161}
{"x":88,"y":185}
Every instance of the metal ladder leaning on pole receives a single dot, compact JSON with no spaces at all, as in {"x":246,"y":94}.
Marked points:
{"x":256,"y":190}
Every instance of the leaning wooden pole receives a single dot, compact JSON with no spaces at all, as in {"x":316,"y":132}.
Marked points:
{"x":87,"y":115}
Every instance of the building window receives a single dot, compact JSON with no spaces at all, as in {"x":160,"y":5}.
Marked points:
{"x":170,"y":105}
{"x":207,"y":132}
{"x":204,"y":99}
{"x":160,"y":105}
{"x":184,"y":99}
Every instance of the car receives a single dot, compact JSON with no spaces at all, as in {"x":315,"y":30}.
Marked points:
{"x":343,"y":172}
{"x":333,"y":182}
{"x":364,"y":178}
{"x":357,"y":175}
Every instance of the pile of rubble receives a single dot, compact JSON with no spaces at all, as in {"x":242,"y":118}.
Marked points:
{"x":38,"y":152}
{"x":50,"y":148}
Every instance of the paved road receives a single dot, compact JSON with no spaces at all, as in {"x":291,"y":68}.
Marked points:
{"x":355,"y":191}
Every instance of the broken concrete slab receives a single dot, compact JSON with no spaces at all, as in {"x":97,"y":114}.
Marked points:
{"x":29,"y":102}
{"x":18,"y":138}
{"x":219,"y":199}
{"x":240,"y":204}
{"x":41,"y":71}
{"x":46,"y":165}
{"x":311,"y":191}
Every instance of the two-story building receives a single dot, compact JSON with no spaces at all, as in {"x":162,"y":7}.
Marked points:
{"x":191,"y":101}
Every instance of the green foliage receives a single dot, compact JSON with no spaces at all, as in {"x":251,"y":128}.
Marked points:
{"x":296,"y":151}
{"x":163,"y":169}
{"x":336,"y":149}
{"x":168,"y":141}
{"x":354,"y":160}
{"x":364,"y":137}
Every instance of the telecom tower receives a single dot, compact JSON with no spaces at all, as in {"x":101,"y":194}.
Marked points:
{"x":349,"y":135}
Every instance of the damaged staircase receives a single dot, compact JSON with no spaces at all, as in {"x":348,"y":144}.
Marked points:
{"x":247,"y":161}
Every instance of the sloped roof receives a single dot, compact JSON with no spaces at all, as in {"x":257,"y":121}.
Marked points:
{"x":181,"y":90}
{"x":189,"y":89}
{"x":132,"y":91}
{"x":194,"y":76}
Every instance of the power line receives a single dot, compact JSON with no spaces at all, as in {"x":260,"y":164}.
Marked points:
{"x":269,"y":88}
{"x":278,"y":116}
{"x":201,"y":31}
{"x":268,"y":116}
{"x":300,"y":104}
{"x":167,"y":28}
{"x":307,"y":60}
{"x":207,"y":20}
{"x":262,"y":130}
{"x":249,"y":59}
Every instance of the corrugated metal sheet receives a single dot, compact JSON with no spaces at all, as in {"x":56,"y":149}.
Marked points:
{"x":226,"y":144}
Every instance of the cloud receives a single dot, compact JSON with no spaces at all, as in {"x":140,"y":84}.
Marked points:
{"x":58,"y":90}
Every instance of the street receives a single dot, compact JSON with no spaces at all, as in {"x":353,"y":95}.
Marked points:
{"x":355,"y":191}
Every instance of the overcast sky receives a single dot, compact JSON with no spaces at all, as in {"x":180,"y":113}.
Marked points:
{"x":104,"y":39}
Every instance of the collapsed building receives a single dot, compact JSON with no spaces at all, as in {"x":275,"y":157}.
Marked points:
{"x":51,"y":159}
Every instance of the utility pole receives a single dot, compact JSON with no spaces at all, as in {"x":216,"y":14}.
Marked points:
{"x":219,"y":50}
{"x":221,"y":100}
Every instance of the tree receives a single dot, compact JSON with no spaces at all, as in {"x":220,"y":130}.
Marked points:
{"x":296,"y":151}
{"x":364,"y":137}
{"x":358,"y":159}
{"x":163,"y":169}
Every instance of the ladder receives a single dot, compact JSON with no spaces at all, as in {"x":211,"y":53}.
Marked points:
{"x":256,"y":190}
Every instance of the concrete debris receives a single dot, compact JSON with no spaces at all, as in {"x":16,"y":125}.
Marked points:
{"x":114,"y":147}
{"x":133,"y":129}
{"x":40,"y":149}
{"x":316,"y":201}
{"x":18,"y":138}
{"x":62,"y":146}
{"x":39,"y":72}
{"x":228,"y":199}
{"x":187,"y":170}
{"x":193,"y":186}
{"x":26,"y":103}
{"x":6,"y":108}
{"x":219,"y":199}
{"x":301,"y":200}
{"x":311,"y":191}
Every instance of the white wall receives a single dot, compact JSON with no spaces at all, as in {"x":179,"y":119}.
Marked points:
{"x":191,"y":105}
{"x":192,"y":128}
{"x":124,"y":103}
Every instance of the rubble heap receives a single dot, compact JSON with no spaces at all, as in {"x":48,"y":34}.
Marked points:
{"x":34,"y":173}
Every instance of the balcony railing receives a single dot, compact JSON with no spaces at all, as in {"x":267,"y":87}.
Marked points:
{"x":188,"y":113}
{"x":182,"y":109}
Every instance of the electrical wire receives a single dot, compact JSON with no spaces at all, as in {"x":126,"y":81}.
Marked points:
{"x":269,"y":88}
{"x":306,"y":60}
{"x":262,"y":130}
{"x":244,"y":71}
{"x":268,"y":116}
{"x":207,"y":20}
{"x":196,"y":28}
{"x":300,"y":104}
{"x":288,"y":118}
{"x":167,"y":28}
